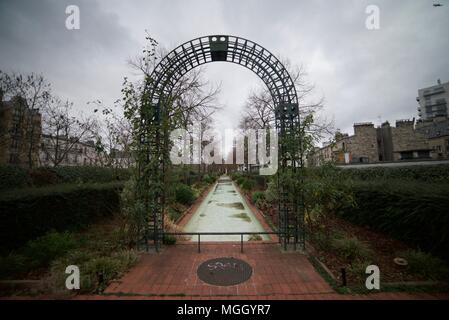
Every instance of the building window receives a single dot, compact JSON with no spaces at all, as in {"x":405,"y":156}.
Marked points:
{"x":423,"y":154}
{"x":407,"y":155}
{"x":364,"y":160}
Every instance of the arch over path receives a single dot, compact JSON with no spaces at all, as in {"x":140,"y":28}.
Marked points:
{"x":158,"y":89}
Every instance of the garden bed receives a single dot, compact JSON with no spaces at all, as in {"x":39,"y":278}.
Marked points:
{"x":370,"y":247}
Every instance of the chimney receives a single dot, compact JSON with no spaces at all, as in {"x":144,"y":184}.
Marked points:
{"x":439,"y":82}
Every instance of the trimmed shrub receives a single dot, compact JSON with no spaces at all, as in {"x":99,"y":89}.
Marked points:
{"x":86,"y":174}
{"x":413,"y":212}
{"x":13,"y":177}
{"x":29,"y":213}
{"x":247,"y":184}
{"x":184,"y":194}
{"x":425,"y":264}
{"x":429,"y":173}
{"x":208,"y":179}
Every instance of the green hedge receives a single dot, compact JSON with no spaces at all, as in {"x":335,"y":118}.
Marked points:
{"x":29,"y":213}
{"x":414,"y":212}
{"x":12,"y":177}
{"x":430,"y":173}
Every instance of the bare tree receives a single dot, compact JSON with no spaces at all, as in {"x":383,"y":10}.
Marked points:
{"x":33,"y":94}
{"x":63,"y":131}
{"x":260,"y":110}
{"x":113,"y":137}
{"x":191,"y":98}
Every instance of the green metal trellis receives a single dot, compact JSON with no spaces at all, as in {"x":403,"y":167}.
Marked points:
{"x":159,"y":86}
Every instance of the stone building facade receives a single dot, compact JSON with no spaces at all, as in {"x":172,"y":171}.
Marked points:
{"x":437,"y":132}
{"x":20,"y":131}
{"x":370,"y":144}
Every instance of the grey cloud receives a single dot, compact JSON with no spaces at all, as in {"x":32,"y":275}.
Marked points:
{"x":362,"y":74}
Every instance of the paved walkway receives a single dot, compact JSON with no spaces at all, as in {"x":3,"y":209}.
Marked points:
{"x":276,"y":275}
{"x":173,"y":272}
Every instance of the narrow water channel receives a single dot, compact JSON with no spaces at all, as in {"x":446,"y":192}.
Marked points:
{"x":224,"y":210}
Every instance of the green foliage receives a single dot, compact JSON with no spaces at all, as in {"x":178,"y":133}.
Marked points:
{"x":431,"y":173}
{"x":29,"y":213}
{"x":36,"y":254}
{"x":352,"y":249}
{"x":12,"y":177}
{"x":413,"y":212}
{"x":240,"y":180}
{"x":184,"y":194}
{"x":247,"y":184}
{"x":12,"y":264}
{"x":425,"y":264}
{"x":43,"y":250}
{"x":87,"y":174}
{"x":133,"y":211}
{"x":169,"y":240}
{"x":209,"y":179}
{"x":259,"y":199}
{"x":96,"y":270}
{"x":258,"y":195}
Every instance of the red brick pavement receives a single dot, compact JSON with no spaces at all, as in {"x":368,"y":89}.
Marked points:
{"x":171,"y":274}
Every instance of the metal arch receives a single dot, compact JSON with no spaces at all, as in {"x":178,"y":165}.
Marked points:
{"x":236,"y":50}
{"x":159,"y":86}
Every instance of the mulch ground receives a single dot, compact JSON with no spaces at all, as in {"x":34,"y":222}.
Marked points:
{"x":384,"y":247}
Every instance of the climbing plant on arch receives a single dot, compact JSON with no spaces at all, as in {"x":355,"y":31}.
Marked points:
{"x":152,"y":137}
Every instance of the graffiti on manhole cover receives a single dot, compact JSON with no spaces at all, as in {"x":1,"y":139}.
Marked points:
{"x":224,"y":271}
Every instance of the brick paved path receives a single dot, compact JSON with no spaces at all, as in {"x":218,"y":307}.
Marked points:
{"x":276,"y":275}
{"x":173,"y":272}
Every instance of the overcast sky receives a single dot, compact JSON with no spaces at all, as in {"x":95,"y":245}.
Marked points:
{"x":364,"y":75}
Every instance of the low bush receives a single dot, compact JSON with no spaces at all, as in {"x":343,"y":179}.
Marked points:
{"x":13,"y":177}
{"x":29,"y":213}
{"x":41,"y":251}
{"x":36,"y":254}
{"x":429,"y":173}
{"x":240,"y":180}
{"x":413,"y":212}
{"x":425,"y":264}
{"x":258,"y":195}
{"x":12,"y":264}
{"x":97,"y":270}
{"x":184,"y":194}
{"x":352,"y":249}
{"x":169,"y":240}
{"x":247,"y":184}
{"x":209,"y":179}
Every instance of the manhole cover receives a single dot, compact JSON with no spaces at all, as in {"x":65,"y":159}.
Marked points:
{"x":224,"y":271}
